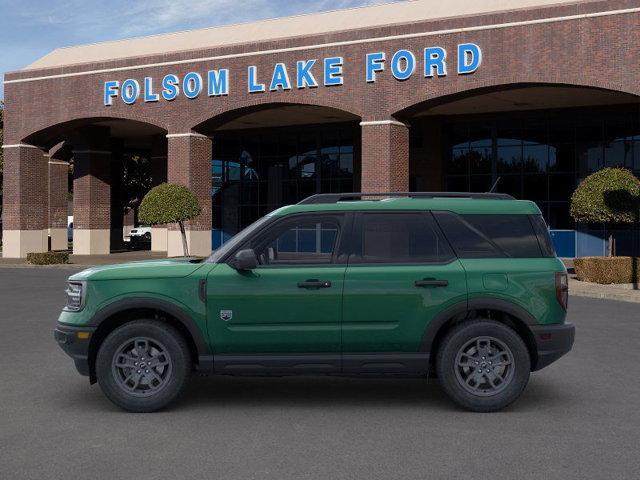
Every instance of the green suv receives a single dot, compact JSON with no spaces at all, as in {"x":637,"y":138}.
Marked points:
{"x":465,"y":287}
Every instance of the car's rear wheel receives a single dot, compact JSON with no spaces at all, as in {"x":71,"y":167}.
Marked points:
{"x":143,"y":365}
{"x":483,"y":365}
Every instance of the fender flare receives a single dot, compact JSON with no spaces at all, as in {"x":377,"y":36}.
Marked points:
{"x":202,"y":347}
{"x":465,"y":307}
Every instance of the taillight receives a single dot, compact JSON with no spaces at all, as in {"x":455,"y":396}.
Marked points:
{"x":562,"y":289}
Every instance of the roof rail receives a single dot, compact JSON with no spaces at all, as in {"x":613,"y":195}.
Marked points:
{"x":339,"y":197}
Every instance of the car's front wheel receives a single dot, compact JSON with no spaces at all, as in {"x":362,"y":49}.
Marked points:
{"x":483,"y":365}
{"x":143,"y":366}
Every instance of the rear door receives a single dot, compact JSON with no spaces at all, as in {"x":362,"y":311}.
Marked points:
{"x":402,"y":273}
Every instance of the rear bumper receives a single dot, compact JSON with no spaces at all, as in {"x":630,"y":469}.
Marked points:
{"x":74,"y":345}
{"x":552,"y":342}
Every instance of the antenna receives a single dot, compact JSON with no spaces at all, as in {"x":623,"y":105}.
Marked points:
{"x":495,"y":185}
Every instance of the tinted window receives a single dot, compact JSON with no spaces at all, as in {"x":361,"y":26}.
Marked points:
{"x":467,"y":241}
{"x":399,"y":238}
{"x":481,"y":236}
{"x":544,"y":239}
{"x":302,"y":241}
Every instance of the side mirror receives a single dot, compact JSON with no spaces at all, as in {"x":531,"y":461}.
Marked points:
{"x":245,"y":260}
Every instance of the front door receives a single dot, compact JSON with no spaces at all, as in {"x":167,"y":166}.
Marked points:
{"x":401,"y":274}
{"x":286,"y":313}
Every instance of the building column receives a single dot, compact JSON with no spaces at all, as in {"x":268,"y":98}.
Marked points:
{"x":189,"y":164}
{"x":92,"y":193}
{"x":158,"y":175}
{"x":385,"y":156}
{"x":24,"y":209}
{"x":58,"y":191}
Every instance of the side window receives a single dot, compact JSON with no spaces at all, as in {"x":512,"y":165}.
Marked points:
{"x":544,"y":239}
{"x":490,"y":236}
{"x":513,"y":234}
{"x":467,"y":241}
{"x":303,"y":241}
{"x":399,"y":238}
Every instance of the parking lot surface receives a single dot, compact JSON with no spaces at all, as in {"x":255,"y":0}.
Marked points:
{"x":578,"y":418}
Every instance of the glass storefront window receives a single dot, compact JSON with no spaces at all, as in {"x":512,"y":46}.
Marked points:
{"x":256,"y":171}
{"x":541,"y":155}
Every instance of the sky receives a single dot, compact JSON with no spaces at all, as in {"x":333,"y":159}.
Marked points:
{"x":29,"y":29}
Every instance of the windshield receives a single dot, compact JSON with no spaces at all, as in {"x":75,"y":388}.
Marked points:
{"x":237,"y":239}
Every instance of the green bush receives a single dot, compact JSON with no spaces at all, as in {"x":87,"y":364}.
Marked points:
{"x":611,"y":195}
{"x":48,"y":258}
{"x":169,"y":203}
{"x":607,"y":270}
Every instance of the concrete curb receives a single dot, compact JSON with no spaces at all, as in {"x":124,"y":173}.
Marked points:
{"x":623,"y":293}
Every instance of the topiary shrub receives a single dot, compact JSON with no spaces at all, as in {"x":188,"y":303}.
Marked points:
{"x":607,"y":270}
{"x":611,"y":195}
{"x":48,"y":258}
{"x":170,"y":203}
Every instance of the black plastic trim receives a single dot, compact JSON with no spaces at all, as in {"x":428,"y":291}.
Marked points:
{"x":276,"y":364}
{"x":552,"y":342}
{"x":437,"y":322}
{"x":464,"y":307}
{"x":383,"y":363}
{"x":155,"y":304}
{"x":414,"y":363}
{"x":78,"y":349}
{"x":503,"y":305}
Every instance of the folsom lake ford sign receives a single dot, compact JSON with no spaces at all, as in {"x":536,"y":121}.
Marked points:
{"x":309,"y":73}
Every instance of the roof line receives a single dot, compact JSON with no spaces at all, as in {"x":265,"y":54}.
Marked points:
{"x":237,"y":24}
{"x":333,"y":44}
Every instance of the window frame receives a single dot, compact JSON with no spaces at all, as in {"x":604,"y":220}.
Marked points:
{"x":491,"y":241}
{"x":353,"y":256}
{"x":338,"y":256}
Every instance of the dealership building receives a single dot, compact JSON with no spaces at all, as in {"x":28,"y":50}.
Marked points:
{"x":411,"y":96}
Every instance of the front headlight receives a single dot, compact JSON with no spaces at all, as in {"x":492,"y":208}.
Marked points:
{"x":75,"y":296}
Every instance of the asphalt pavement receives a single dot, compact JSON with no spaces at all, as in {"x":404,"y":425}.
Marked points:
{"x":578,"y":418}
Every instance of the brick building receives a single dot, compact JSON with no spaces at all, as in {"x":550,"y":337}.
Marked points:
{"x":417,"y":95}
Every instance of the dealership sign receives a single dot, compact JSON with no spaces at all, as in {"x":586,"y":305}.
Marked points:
{"x":308,"y":73}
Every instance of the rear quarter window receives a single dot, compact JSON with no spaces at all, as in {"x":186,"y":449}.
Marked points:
{"x":492,"y":236}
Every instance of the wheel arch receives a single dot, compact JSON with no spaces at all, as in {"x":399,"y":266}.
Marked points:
{"x":126,"y":310}
{"x":502,"y":311}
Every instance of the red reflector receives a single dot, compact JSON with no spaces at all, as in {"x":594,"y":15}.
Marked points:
{"x":545,"y":336}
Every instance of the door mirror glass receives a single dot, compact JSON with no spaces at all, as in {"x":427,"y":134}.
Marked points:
{"x":245,"y":260}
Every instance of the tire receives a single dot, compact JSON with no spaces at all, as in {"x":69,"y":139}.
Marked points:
{"x":140,"y":383}
{"x":503,"y":362}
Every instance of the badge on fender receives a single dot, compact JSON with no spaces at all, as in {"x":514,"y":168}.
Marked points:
{"x":226,"y":315}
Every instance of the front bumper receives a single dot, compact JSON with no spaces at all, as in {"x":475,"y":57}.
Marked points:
{"x":552,"y":342}
{"x":75,"y":343}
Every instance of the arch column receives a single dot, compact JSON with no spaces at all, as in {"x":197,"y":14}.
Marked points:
{"x":25,"y":202}
{"x":189,"y":164}
{"x":159,"y":175}
{"x":92,"y":192}
{"x":385,"y":156}
{"x":58,"y":188}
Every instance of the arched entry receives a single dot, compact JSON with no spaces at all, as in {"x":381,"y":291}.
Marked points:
{"x":271,"y":155}
{"x":539,"y":139}
{"x":114,"y":161}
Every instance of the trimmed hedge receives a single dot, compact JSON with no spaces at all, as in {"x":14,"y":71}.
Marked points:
{"x":48,"y":258}
{"x":607,"y":270}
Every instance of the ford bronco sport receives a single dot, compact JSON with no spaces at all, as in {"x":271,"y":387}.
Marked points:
{"x":465,"y":287}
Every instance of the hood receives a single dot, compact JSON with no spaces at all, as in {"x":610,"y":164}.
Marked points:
{"x":168,"y":268}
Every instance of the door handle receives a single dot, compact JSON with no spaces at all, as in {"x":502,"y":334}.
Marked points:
{"x":431,"y":282}
{"x":314,"y":284}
